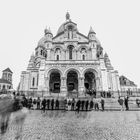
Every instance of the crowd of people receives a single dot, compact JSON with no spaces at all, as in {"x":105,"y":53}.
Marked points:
{"x":73,"y":104}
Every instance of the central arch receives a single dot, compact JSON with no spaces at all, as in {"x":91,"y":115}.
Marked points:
{"x":72,"y":81}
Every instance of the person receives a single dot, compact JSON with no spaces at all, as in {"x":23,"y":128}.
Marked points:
{"x":102,"y":103}
{"x":73,"y":104}
{"x":6,"y":108}
{"x":38,"y":103}
{"x":52,"y":104}
{"x":78,"y":106}
{"x":48,"y":104}
{"x":96,"y":104}
{"x":43,"y":105}
{"x":91,"y":104}
{"x":126,"y":103}
{"x":83,"y":104}
{"x":29,"y":103}
{"x":69,"y":104}
{"x":65,"y":104}
{"x":57,"y":104}
{"x":86,"y":105}
{"x":34,"y":104}
{"x":121,"y":102}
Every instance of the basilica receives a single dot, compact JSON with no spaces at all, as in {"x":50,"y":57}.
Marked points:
{"x":69,"y":62}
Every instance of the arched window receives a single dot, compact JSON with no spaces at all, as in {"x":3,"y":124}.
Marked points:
{"x":33,"y":82}
{"x":70,"y":52}
{"x":83,"y":56}
{"x":57,"y":57}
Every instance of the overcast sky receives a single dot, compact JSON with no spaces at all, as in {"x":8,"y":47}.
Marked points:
{"x":116,"y":23}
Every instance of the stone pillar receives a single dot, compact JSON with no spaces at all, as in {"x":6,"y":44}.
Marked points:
{"x":63,"y":90}
{"x":81,"y":87}
{"x":47,"y":87}
{"x":98,"y":86}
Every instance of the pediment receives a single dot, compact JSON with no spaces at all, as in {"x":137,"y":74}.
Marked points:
{"x":78,"y":37}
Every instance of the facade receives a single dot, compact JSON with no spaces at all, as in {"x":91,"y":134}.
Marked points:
{"x":69,"y":62}
{"x":6,"y":80}
{"x":128,"y":86}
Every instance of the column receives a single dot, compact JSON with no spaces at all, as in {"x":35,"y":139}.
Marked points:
{"x":63,"y":89}
{"x":81,"y":87}
{"x":47,"y":85}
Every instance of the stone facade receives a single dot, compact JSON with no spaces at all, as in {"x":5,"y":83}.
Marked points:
{"x":69,"y":61}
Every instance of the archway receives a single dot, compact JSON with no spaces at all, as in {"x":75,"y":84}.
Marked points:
{"x":90,"y":81}
{"x":55,"y":82}
{"x":72,"y":81}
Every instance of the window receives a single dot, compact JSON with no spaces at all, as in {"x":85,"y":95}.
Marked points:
{"x":70,"y":52}
{"x":57,"y":57}
{"x":33,"y":82}
{"x":83,"y":57}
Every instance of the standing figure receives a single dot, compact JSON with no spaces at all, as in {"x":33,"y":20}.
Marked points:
{"x":73,"y":104}
{"x":126,"y":103}
{"x":91,"y":104}
{"x":121,"y":102}
{"x":83,"y":104}
{"x":57,"y":104}
{"x":48,"y":104}
{"x":96,"y":104}
{"x":78,"y":106}
{"x":44,"y":105}
{"x":87,"y":102}
{"x":38,"y":103}
{"x":52,"y":104}
{"x":102,"y":103}
{"x":34,"y":104}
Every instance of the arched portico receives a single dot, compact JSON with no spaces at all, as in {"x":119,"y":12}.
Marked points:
{"x":91,"y":79}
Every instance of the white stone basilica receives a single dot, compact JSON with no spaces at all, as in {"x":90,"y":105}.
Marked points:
{"x":69,"y":61}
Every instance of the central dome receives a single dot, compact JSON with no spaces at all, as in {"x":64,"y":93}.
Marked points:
{"x":68,"y":22}
{"x":61,"y":28}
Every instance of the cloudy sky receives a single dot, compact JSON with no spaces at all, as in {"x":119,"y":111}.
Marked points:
{"x":116,"y":23}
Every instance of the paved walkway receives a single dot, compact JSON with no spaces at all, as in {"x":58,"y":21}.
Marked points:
{"x":60,"y":125}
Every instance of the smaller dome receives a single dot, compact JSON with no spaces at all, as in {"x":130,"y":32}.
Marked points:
{"x":47,"y":31}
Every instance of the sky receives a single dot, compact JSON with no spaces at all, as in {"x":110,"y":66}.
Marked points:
{"x":116,"y":23}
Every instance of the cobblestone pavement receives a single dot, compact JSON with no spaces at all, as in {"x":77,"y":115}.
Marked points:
{"x":60,"y":125}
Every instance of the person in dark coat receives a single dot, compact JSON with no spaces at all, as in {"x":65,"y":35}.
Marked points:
{"x":73,"y":104}
{"x":83,"y":104}
{"x":126,"y":103}
{"x":78,"y":106}
{"x":44,"y":105}
{"x":57,"y":104}
{"x":87,"y":102}
{"x":48,"y":104}
{"x":38,"y":103}
{"x":52,"y":104}
{"x":30,"y":103}
{"x":102,"y":103}
{"x":91,"y":104}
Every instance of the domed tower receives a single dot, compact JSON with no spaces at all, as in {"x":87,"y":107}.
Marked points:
{"x":91,"y":35}
{"x":48,"y":34}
